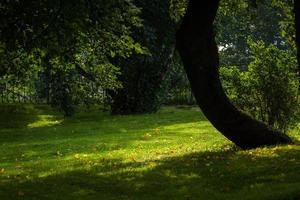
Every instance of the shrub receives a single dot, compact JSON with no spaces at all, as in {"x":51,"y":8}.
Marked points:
{"x":268,"y":90}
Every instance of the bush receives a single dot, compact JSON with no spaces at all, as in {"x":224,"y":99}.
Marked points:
{"x":268,"y":90}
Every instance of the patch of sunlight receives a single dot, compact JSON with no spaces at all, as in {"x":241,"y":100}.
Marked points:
{"x":117,"y":168}
{"x":45,"y":120}
{"x":45,"y":174}
{"x":296,"y":132}
{"x":67,"y":164}
{"x":83,"y":157}
{"x":184,"y":126}
{"x":265,"y":152}
{"x":30,"y":154}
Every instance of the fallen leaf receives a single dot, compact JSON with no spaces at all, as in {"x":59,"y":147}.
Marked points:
{"x":77,"y":156}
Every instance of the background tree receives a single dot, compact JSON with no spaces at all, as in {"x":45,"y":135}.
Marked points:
{"x":268,"y":90}
{"x":199,"y":52}
{"x":239,"y":19}
{"x":142,"y":75}
{"x":71,"y":37}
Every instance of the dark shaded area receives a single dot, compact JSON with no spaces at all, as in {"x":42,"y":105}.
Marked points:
{"x":142,"y":75}
{"x":17,"y":115}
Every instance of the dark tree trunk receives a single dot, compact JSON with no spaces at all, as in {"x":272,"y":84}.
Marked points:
{"x":142,"y":81}
{"x":199,"y":53}
{"x":142,"y":76}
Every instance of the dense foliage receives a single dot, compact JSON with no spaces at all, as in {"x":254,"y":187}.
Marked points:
{"x":239,"y":19}
{"x":89,"y":52}
{"x":268,"y":90}
{"x":70,"y":37}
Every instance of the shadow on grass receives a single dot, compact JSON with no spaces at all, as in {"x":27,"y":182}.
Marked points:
{"x":87,"y":124}
{"x":267,"y":174}
{"x":16,"y":115}
{"x":23,"y":116}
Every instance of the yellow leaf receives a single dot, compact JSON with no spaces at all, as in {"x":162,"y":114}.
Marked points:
{"x":77,"y":156}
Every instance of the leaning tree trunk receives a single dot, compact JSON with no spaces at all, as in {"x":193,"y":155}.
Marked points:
{"x":199,"y":53}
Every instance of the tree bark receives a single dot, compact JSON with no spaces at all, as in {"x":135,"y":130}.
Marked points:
{"x":199,"y":53}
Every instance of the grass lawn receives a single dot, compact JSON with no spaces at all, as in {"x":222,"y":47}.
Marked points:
{"x":173,"y":154}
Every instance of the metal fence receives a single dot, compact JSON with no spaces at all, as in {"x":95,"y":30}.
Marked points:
{"x":29,"y":93}
{"x":17,"y":94}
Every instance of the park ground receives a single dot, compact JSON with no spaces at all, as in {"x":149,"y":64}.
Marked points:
{"x":173,"y":154}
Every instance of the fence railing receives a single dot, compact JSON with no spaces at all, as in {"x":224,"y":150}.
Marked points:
{"x":17,"y":94}
{"x":10,"y":94}
{"x":180,"y":97}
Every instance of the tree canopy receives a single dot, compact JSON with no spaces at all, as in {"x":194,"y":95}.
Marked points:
{"x":122,"y":52}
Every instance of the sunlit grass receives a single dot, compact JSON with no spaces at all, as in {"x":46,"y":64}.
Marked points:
{"x":44,"y":120}
{"x":173,"y":154}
